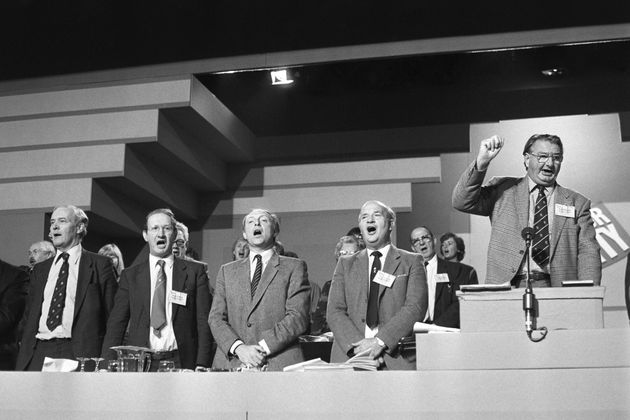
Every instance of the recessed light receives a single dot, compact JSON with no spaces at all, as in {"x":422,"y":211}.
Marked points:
{"x":280,"y":77}
{"x":553,"y":72}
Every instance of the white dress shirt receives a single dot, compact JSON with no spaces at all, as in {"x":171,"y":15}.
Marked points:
{"x":166,"y":341}
{"x":64,"y":330}
{"x":431,"y":269}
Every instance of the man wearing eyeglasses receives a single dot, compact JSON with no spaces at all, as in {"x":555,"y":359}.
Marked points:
{"x":165,"y":300}
{"x":563,"y":246}
{"x":443,"y":280}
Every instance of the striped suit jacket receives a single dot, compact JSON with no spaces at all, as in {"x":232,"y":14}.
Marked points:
{"x":574,"y":251}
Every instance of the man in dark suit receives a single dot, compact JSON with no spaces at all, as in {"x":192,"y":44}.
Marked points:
{"x":371,"y":308}
{"x":165,"y":300}
{"x":13,"y":284}
{"x":262,"y":302}
{"x":443,"y":279}
{"x":70,"y":296}
{"x":563,"y":246}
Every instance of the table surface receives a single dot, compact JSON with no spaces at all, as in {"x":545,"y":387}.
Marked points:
{"x":526,"y":393}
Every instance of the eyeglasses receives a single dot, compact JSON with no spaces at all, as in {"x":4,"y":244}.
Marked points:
{"x":543,"y":157}
{"x":424,"y":238}
{"x":168,"y":229}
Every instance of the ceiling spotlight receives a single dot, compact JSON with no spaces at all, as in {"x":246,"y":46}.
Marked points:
{"x":280,"y":77}
{"x":553,"y":72}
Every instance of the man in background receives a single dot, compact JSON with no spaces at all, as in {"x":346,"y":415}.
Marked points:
{"x":443,"y":280}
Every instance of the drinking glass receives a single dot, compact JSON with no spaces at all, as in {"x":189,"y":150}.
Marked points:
{"x":82,"y":361}
{"x":166,"y":366}
{"x":97,"y":361}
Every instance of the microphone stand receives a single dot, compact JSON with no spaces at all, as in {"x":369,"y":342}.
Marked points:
{"x":530,"y":304}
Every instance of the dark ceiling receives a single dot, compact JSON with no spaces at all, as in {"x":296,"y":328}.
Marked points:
{"x":50,"y":38}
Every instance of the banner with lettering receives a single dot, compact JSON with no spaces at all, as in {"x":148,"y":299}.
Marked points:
{"x":612,"y":237}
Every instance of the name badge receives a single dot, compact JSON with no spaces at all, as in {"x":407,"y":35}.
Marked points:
{"x":565,"y":211}
{"x":178,"y":298}
{"x":384,"y":279}
{"x":442,"y":278}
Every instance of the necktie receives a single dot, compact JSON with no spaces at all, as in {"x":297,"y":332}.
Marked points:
{"x":372,"y":309}
{"x":55,"y":313}
{"x":257,"y":274}
{"x":158,"y":309}
{"x":540,"y":246}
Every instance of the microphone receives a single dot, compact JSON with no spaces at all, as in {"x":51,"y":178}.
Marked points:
{"x":529,"y":299}
{"x":528,"y":233}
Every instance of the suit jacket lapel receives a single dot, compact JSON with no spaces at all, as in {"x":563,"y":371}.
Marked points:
{"x":392,"y":261}
{"x":439,"y":287}
{"x":84,"y":278}
{"x":143,"y":286}
{"x":521,"y":202}
{"x":360,"y":274}
{"x":178,"y":282}
{"x":562,"y":198}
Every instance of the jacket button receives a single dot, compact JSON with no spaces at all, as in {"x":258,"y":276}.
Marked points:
{"x":249,"y":324}
{"x":521,"y":252}
{"x":362,"y":319}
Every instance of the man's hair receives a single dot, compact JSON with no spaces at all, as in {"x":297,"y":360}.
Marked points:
{"x":79,"y":217}
{"x":551,"y":138}
{"x":180,"y":226}
{"x":108,"y":249}
{"x":389,"y":212}
{"x":421,"y":227}
{"x":459,"y":244}
{"x":273,"y":218}
{"x":348,"y":239}
{"x":165,"y":211}
{"x":46,"y":247}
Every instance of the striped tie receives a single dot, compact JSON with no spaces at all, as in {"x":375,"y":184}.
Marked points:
{"x":257,"y":274}
{"x":540,"y":247}
{"x":158,"y":310}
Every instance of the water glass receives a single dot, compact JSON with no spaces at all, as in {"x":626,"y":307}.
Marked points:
{"x":166,"y":366}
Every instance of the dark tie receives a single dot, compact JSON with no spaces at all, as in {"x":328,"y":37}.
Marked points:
{"x":372,"y":309}
{"x":55,"y":313}
{"x":540,"y":243}
{"x":257,"y":274}
{"x":158,"y":309}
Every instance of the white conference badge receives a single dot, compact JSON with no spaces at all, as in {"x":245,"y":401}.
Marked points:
{"x":442,"y":278}
{"x":178,"y":298}
{"x":384,"y":279}
{"x":565,"y":211}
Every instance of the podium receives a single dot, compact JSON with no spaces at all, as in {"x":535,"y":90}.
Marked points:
{"x":492,"y":334}
{"x":568,"y":308}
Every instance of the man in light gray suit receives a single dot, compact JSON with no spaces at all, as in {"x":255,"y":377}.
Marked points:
{"x":261,"y":302}
{"x":377,"y":294}
{"x":570,"y":250}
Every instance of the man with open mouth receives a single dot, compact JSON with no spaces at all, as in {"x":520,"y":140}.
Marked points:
{"x":261,"y":302}
{"x":377,"y":294}
{"x":563,"y":244}
{"x":71,"y":296}
{"x":167,"y":300}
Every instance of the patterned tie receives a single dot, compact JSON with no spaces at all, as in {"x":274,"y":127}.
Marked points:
{"x":55,"y":313}
{"x":372,"y":309}
{"x":158,"y":310}
{"x":540,"y":246}
{"x":257,"y":274}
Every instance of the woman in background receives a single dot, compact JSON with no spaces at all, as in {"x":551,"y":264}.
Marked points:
{"x":113,"y":252}
{"x":452,"y":246}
